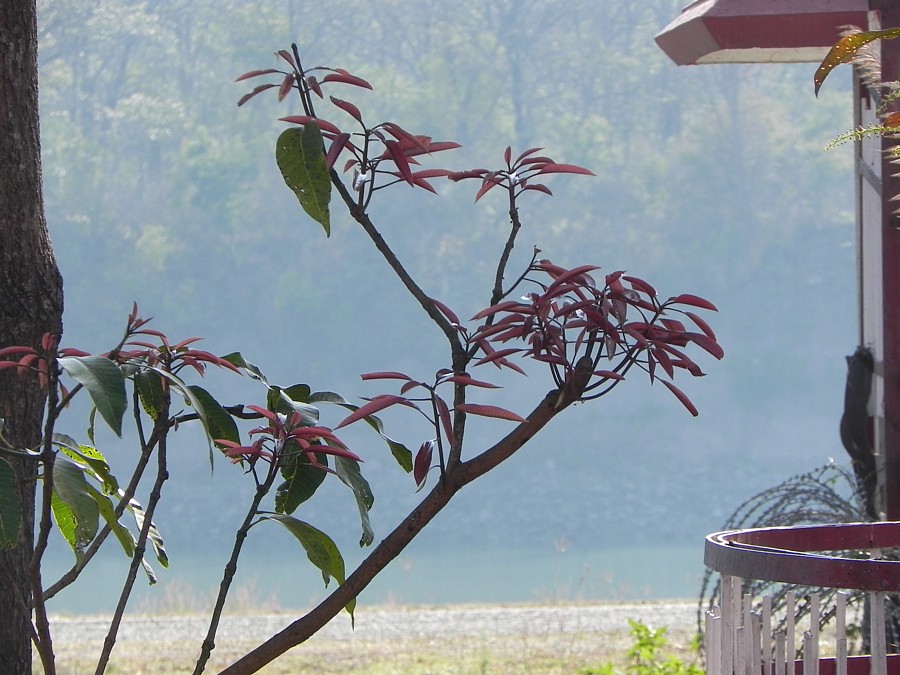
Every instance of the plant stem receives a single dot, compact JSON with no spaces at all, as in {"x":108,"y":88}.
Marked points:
{"x":361,"y":217}
{"x":44,"y":641}
{"x":137,"y":558}
{"x":231,"y":569}
{"x":395,"y":542}
{"x":138,"y":473}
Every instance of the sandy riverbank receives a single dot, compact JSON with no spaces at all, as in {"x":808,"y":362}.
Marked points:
{"x":417,"y":640}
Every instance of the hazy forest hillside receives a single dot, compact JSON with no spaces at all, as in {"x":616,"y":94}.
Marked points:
{"x":710,"y":180}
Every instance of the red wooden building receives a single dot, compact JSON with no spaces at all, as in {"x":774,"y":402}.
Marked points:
{"x":781,"y":31}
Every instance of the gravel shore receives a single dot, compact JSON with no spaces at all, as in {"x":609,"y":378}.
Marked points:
{"x":450,"y":639}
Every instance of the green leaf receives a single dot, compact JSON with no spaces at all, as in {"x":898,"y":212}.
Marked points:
{"x":153,"y":535}
{"x":89,"y":459}
{"x":108,"y":512}
{"x":320,"y":549}
{"x":401,"y":453}
{"x":300,"y":155}
{"x":150,"y":391}
{"x":348,"y":471}
{"x":77,"y":514}
{"x":177,"y":384}
{"x":237,"y":359}
{"x":845,"y":49}
{"x":219,"y":424}
{"x":104,"y":382}
{"x":302,"y":479}
{"x":293,"y":399}
{"x":10,"y":506}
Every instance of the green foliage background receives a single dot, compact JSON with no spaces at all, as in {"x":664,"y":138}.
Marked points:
{"x":710,"y":180}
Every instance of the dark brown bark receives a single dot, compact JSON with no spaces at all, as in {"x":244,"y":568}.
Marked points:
{"x":30,"y":300}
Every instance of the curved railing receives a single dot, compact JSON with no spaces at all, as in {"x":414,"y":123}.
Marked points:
{"x":739,"y":635}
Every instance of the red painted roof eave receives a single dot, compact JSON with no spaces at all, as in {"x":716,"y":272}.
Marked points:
{"x":748,"y":31}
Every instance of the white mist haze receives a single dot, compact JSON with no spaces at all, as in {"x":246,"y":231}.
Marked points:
{"x":710,"y":180}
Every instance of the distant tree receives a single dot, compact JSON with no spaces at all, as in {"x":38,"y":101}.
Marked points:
{"x":30,"y":306}
{"x":586,"y":329}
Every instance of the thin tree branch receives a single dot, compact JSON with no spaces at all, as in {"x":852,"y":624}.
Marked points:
{"x":231,"y":569}
{"x":395,"y":542}
{"x":137,"y":558}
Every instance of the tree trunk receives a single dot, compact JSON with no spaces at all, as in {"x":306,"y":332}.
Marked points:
{"x":30,"y":301}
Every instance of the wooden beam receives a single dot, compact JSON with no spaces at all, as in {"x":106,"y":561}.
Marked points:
{"x":889,"y":17}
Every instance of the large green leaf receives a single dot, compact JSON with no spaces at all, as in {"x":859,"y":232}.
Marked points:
{"x":10,"y":506}
{"x":89,"y":459}
{"x":301,"y":480}
{"x":153,"y":535}
{"x":150,"y":390}
{"x":178,"y":385}
{"x":77,"y":514}
{"x":320,"y":549}
{"x":300,"y":155}
{"x":108,"y":512}
{"x":237,"y":359}
{"x":104,"y":382}
{"x":348,"y":471}
{"x":219,"y":424}
{"x":293,"y":399}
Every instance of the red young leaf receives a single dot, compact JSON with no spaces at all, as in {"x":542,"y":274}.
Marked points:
{"x":372,"y":407}
{"x":285,"y":87}
{"x":664,"y":360}
{"x":609,"y":375}
{"x":507,"y":155}
{"x":681,"y":396}
{"x":489,"y":183}
{"x":497,"y":355}
{"x":286,"y":55}
{"x":566,"y":168}
{"x":402,"y":134}
{"x":257,"y":73}
{"x":693,"y":300}
{"x":446,"y":311}
{"x":444,"y":414}
{"x":341,"y":75}
{"x":462,"y":175}
{"x":348,"y":108}
{"x":534,"y":163}
{"x":673,"y":325}
{"x":504,"y":306}
{"x":246,"y":97}
{"x":525,"y":154}
{"x":465,"y":379}
{"x":539,"y":187}
{"x":431,"y":147}
{"x":490,"y":411}
{"x":702,"y":325}
{"x":306,"y":119}
{"x":396,"y":154}
{"x":641,"y":285}
{"x":313,"y":85}
{"x":385,"y":375}
{"x":422,"y":463}
{"x":573,"y":273}
{"x":337,"y":145}
{"x":707,"y":343}
{"x":409,"y":386}
{"x":10,"y":351}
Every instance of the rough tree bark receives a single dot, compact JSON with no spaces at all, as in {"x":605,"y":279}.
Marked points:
{"x":30,"y":300}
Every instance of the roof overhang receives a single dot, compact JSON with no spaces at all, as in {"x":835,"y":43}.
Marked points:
{"x":759,"y":31}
